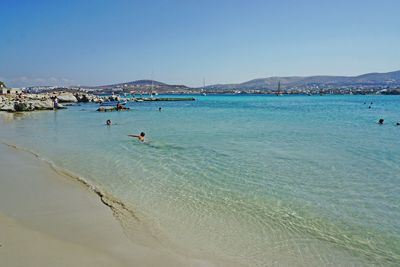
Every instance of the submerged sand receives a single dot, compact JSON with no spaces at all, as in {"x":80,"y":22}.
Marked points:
{"x":48,"y":219}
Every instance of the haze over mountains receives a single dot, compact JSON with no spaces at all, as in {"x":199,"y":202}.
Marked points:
{"x":142,"y":84}
{"x":381,"y":80}
{"x":372,"y":82}
{"x":366,"y":80}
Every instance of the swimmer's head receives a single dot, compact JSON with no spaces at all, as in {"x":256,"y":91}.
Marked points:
{"x":142,"y":134}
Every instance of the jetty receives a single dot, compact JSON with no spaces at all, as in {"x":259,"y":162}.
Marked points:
{"x":20,"y":101}
{"x":108,"y":108}
{"x":151,"y":99}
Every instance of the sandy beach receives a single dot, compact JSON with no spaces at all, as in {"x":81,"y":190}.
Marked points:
{"x":47,"y":219}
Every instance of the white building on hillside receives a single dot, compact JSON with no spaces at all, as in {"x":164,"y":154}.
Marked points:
{"x":9,"y":91}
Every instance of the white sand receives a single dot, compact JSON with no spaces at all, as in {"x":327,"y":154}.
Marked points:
{"x":47,"y":219}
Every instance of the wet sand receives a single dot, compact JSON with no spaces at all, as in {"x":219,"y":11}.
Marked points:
{"x":48,"y":219}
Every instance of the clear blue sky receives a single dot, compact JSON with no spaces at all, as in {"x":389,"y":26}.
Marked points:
{"x":103,"y":41}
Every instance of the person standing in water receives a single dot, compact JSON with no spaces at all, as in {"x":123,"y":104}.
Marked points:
{"x":55,"y":102}
{"x":140,"y":136}
{"x":119,"y":106}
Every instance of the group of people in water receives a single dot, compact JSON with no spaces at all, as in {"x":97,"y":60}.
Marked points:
{"x":381,"y":120}
{"x":369,"y":105}
{"x":141,"y":136}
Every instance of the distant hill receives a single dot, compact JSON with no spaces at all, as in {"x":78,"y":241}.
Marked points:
{"x":134,"y":83}
{"x":143,"y":85}
{"x":390,"y":79}
{"x":290,"y":84}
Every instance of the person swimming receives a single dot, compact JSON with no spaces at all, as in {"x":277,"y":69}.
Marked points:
{"x":397,"y":123}
{"x":140,"y":136}
{"x":108,"y":122}
{"x":381,"y":121}
{"x":159,"y":109}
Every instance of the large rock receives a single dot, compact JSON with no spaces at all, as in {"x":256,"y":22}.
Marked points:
{"x":7,"y":107}
{"x":37,"y":96}
{"x":67,"y":98}
{"x":97,"y":99}
{"x":42,"y":105}
{"x":23,"y":106}
{"x":82,"y":98}
{"x":113,"y":98}
{"x":30,"y":103}
{"x":87,"y":98}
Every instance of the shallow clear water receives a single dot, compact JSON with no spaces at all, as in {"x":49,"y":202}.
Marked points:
{"x":260,"y":180}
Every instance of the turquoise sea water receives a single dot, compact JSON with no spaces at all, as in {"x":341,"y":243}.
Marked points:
{"x":258,"y":180}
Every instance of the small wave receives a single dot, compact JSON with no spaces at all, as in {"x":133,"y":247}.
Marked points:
{"x":136,"y":227}
{"x":158,"y":145}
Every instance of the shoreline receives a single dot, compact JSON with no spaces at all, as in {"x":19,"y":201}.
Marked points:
{"x":50,"y":220}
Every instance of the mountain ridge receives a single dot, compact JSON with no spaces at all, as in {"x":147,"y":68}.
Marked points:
{"x":290,"y":84}
{"x":296,"y":82}
{"x":391,"y":79}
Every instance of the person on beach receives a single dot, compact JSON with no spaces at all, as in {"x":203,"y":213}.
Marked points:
{"x":140,"y":136}
{"x":108,"y":122}
{"x":380,"y":122}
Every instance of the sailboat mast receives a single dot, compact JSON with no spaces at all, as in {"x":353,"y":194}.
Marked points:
{"x":204,"y":87}
{"x":152,"y":83}
{"x":278,"y":93}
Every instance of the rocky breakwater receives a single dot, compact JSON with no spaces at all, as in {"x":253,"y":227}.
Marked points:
{"x":150,"y":99}
{"x":25,"y":103}
{"x":43,"y":101}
